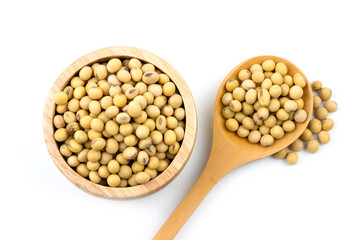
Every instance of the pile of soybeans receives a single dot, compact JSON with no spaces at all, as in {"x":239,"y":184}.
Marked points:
{"x":317,"y":132}
{"x":119,"y":123}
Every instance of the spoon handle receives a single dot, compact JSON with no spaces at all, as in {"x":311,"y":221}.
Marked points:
{"x":209,"y":177}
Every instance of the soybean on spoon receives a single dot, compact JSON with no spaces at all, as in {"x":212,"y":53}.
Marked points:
{"x":230,"y":151}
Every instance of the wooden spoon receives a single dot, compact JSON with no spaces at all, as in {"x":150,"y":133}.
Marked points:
{"x":230,"y":151}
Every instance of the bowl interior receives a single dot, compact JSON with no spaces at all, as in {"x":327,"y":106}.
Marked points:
{"x":177,"y":163}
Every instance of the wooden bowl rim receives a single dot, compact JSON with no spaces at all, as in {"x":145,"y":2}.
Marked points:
{"x":178,"y":162}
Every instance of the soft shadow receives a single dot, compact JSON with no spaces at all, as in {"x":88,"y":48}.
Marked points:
{"x":206,"y":140}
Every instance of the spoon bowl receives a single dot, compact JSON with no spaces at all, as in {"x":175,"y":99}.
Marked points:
{"x":253,"y":151}
{"x":230,"y":151}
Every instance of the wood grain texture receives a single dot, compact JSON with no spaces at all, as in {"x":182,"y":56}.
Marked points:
{"x":178,"y":162}
{"x":230,"y":151}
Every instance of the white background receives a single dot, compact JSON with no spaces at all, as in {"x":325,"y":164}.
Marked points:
{"x":316,"y":199}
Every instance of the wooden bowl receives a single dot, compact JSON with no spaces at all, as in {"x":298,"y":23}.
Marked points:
{"x":178,"y":162}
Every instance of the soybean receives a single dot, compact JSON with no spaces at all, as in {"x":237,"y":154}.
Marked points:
{"x":325,"y":94}
{"x":312,"y":146}
{"x":292,"y":158}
